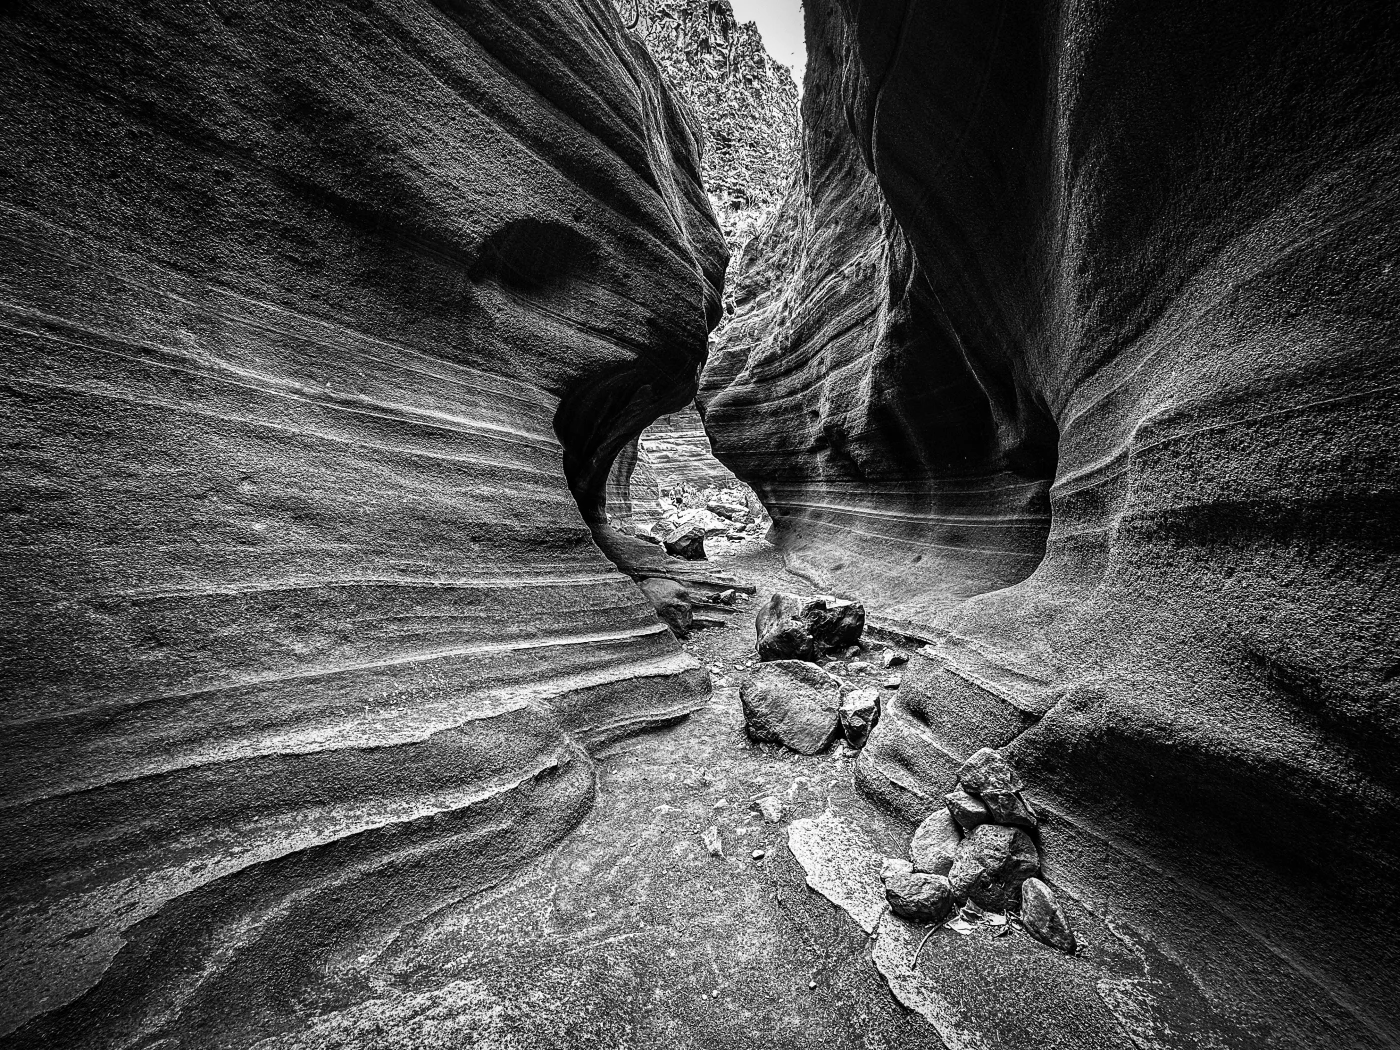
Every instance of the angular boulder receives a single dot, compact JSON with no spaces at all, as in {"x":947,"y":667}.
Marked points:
{"x":793,"y":703}
{"x":686,"y":541}
{"x":968,"y":810}
{"x":1044,"y":918}
{"x":935,"y":843}
{"x":860,"y":710}
{"x":672,"y":603}
{"x":990,"y":866}
{"x":991,"y":777}
{"x":792,"y":627}
{"x":915,"y":895}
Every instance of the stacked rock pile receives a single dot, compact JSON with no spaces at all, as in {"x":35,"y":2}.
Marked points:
{"x":978,"y":852}
{"x":790,"y":700}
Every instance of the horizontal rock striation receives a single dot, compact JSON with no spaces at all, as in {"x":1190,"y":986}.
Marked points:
{"x":321,"y":323}
{"x":1075,"y":348}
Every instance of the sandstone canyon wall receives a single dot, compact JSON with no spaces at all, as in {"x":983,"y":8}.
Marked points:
{"x":321,"y":321}
{"x":1076,"y":349}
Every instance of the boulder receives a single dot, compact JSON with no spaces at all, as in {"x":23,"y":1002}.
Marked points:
{"x":860,"y":710}
{"x":792,"y":703}
{"x":915,"y":895}
{"x":935,"y":843}
{"x":711,"y":523}
{"x":993,"y":779}
{"x":672,"y":603}
{"x":968,"y":810}
{"x":791,"y":627}
{"x":988,"y":770}
{"x":1043,"y":917}
{"x":991,"y":864}
{"x":686,"y":541}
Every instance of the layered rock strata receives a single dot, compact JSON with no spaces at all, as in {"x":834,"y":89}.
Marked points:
{"x":1075,"y":349}
{"x":321,"y":323}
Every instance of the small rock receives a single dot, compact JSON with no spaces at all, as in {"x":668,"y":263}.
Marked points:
{"x":686,"y":541}
{"x":851,"y":652}
{"x":892,"y":682}
{"x":1043,"y":917}
{"x":892,"y":658}
{"x":770,"y":808}
{"x":712,"y":841}
{"x":859,"y":665}
{"x":990,"y":866}
{"x":860,"y":710}
{"x":792,"y":703}
{"x":728,"y":597}
{"x":757,"y":854}
{"x":915,"y":895}
{"x":811,"y":984}
{"x":969,"y":812}
{"x":987,"y":770}
{"x":721,"y":804}
{"x":935,"y":843}
{"x":672,"y":604}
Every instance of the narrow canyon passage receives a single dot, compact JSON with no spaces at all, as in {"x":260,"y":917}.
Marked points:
{"x":418,"y":415}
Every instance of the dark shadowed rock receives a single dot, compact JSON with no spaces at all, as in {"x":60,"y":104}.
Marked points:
{"x":990,"y":865}
{"x":686,"y":541}
{"x":935,"y":843}
{"x":967,"y":810}
{"x":796,"y":628}
{"x":1043,"y":916}
{"x":860,"y":710}
{"x":793,"y":703}
{"x":915,"y":895}
{"x":672,"y":603}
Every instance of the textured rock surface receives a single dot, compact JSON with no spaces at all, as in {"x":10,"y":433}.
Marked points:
{"x":934,"y":846}
{"x":321,"y":322}
{"x":1044,"y":917}
{"x":795,"y":627}
{"x":915,"y":895}
{"x":990,"y":865}
{"x":1095,"y":385}
{"x":792,"y":703}
{"x":860,"y":710}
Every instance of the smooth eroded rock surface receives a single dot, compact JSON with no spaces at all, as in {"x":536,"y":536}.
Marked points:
{"x":322,"y":326}
{"x":1073,"y":348}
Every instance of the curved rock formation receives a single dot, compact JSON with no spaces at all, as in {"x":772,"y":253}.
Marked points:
{"x":1075,"y":349}
{"x":321,"y":323}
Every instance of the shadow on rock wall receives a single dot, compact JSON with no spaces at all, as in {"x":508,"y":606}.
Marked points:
{"x":1075,"y":350}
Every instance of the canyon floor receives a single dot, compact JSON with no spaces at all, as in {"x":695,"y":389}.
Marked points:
{"x":631,"y":934}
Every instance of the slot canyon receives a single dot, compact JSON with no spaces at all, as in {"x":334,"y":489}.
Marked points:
{"x":519,"y":519}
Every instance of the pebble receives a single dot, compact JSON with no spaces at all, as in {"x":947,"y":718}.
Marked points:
{"x":758,"y":854}
{"x":892,"y":682}
{"x":811,"y":984}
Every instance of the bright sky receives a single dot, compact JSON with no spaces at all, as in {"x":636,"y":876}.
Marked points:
{"x":780,"y":25}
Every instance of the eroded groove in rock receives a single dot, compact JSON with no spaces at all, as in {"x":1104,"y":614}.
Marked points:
{"x":1075,"y":348}
{"x":306,"y":637}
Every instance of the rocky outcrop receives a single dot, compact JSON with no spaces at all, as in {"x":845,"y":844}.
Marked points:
{"x":746,"y":102}
{"x":1074,"y":349}
{"x":321,"y":324}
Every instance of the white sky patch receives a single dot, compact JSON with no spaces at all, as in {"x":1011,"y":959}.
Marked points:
{"x":780,"y":25}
